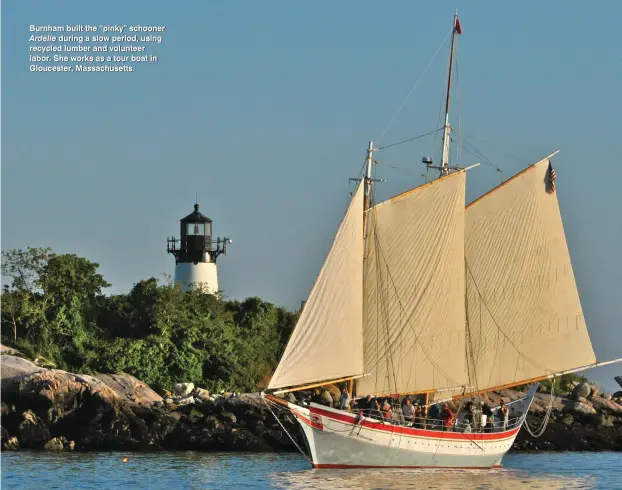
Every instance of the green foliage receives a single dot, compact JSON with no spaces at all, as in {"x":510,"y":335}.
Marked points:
{"x":54,"y":309}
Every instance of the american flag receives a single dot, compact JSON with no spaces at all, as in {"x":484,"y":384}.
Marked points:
{"x":551,"y":178}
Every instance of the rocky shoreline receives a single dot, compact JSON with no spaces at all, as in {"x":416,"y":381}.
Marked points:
{"x":49,"y":409}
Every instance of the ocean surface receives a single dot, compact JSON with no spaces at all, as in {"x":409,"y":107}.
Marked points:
{"x":34,"y":470}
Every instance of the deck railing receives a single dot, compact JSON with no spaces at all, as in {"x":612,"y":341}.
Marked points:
{"x":458,"y":424}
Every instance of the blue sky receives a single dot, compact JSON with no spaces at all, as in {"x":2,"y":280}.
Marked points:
{"x":265,"y":109}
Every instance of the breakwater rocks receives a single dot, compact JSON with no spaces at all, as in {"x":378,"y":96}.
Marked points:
{"x":59,"y":411}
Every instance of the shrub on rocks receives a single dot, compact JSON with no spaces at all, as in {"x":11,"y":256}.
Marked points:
{"x":582,"y":390}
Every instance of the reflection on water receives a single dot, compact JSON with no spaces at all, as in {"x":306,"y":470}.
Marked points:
{"x":251,"y":470}
{"x":428,"y":479}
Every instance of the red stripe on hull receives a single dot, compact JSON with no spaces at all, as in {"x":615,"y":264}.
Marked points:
{"x":433,"y":434}
{"x":311,"y":423}
{"x":348,"y":466}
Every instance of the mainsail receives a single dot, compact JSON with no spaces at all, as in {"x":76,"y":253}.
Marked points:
{"x":327,"y":341}
{"x":524,"y":316}
{"x":414,"y":320}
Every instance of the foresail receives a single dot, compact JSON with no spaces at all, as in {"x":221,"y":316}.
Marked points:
{"x":327,"y":341}
{"x":524,"y":316}
{"x":414,"y":321}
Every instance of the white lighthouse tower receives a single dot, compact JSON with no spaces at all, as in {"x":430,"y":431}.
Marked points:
{"x":195,"y":253}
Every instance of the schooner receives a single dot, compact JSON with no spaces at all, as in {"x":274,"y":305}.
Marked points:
{"x":421,"y":295}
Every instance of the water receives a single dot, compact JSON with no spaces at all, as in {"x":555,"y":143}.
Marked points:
{"x":33,"y":470}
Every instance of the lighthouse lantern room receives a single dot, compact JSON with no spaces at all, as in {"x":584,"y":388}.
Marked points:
{"x":195,"y":253}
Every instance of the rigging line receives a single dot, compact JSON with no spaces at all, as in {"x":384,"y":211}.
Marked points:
{"x":440,"y":109}
{"x":415,"y":85}
{"x":285,"y":430}
{"x":486,"y":160}
{"x":469,"y":346}
{"x":386,"y":317}
{"x":409,"y":139}
{"x":390,"y":357}
{"x":497,"y":325}
{"x":518,"y":159}
{"x":545,"y":421}
{"x":379,"y":246}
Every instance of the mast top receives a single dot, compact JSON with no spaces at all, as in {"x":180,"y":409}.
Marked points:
{"x":444,"y":170}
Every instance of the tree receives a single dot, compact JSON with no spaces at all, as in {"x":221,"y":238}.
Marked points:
{"x":25,"y":268}
{"x":54,"y":308}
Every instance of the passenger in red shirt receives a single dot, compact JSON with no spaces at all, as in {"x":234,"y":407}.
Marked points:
{"x":448,"y":418}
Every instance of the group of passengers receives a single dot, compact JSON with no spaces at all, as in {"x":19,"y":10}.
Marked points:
{"x":475,"y":417}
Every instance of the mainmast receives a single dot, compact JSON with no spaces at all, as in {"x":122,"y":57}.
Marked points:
{"x":366,"y":205}
{"x":368,"y":181}
{"x":447,"y":128}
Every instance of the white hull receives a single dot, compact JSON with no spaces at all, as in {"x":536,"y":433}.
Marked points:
{"x":339,"y":439}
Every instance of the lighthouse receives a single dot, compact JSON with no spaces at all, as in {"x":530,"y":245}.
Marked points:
{"x":195,"y":253}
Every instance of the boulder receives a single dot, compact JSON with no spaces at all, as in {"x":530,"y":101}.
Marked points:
{"x":567,"y":419}
{"x":33,"y":433}
{"x":80,"y":407}
{"x":594,"y":391}
{"x":13,"y":367}
{"x":229,"y":417}
{"x":183,"y":389}
{"x":201,"y":394}
{"x":214,"y":425}
{"x":578,"y":406}
{"x":601,"y":420}
{"x":582,"y":390}
{"x":11,"y":444}
{"x":55,"y":444}
{"x":4,"y":350}
{"x":130,"y":388}
{"x":186,"y":400}
{"x":600,"y":403}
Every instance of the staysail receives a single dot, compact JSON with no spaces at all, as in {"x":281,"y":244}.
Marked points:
{"x":327,"y":341}
{"x":524,"y":316}
{"x":414,"y":319}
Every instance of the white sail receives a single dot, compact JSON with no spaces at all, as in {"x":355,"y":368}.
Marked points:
{"x":327,"y":341}
{"x":523,"y":309}
{"x":414,"y":330}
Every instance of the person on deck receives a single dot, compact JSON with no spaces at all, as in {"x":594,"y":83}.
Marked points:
{"x":490,"y":418}
{"x":503,"y":415}
{"x":387,"y":411}
{"x":343,"y":399}
{"x":374,"y":410}
{"x":447,"y":417}
{"x":328,"y":398}
{"x":419,"y":416}
{"x":407,"y":411}
{"x":433,"y":416}
{"x":364,"y":404}
{"x":317,"y":397}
